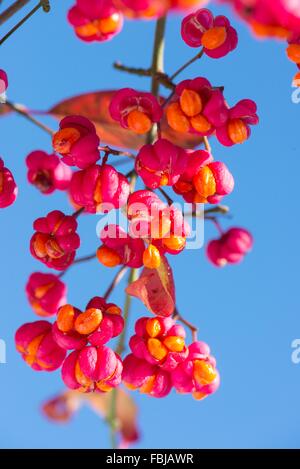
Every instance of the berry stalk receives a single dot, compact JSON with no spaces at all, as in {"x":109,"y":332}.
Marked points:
{"x":44,"y":4}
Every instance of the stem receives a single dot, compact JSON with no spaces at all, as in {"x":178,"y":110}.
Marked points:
{"x":217,"y":225}
{"x":157,"y":64}
{"x":112,"y":418}
{"x":121,"y":343}
{"x":166,"y":196}
{"x":22,"y":112}
{"x":158,"y":53}
{"x":12,"y":10}
{"x":222,"y":209}
{"x":78,"y":212}
{"x":207,"y":144}
{"x":194,"y":330}
{"x":187,"y":64}
{"x":142,"y":72}
{"x":112,"y":151}
{"x":117,"y":279}
{"x":41,"y":4}
{"x":80,"y":260}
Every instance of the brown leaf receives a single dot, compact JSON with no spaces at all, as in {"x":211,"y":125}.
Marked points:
{"x":61,"y":409}
{"x":95,"y":106}
{"x":156,"y":289}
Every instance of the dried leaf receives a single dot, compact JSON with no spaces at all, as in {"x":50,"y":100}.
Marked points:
{"x":95,"y":106}
{"x":155,"y":288}
{"x":61,"y":409}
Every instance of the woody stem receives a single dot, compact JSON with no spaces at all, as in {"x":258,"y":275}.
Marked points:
{"x":42,"y":4}
{"x":187,"y":64}
{"x":23,"y":112}
{"x":157,"y":64}
{"x":194,"y":330}
{"x":12,"y":10}
{"x":117,"y":279}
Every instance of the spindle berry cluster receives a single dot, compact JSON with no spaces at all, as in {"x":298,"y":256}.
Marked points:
{"x":77,"y":341}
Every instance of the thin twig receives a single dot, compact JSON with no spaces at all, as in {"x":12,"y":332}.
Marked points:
{"x":166,"y":196}
{"x":194,"y":330}
{"x":187,"y":64}
{"x":160,"y":76}
{"x":117,"y":279}
{"x":78,"y":212}
{"x":80,"y":260}
{"x":121,"y":343}
{"x":217,"y":224}
{"x":157,"y":66}
{"x":142,"y":72}
{"x":112,"y":151}
{"x":12,"y":10}
{"x":112,"y":418}
{"x":222,"y":209}
{"x":41,"y":4}
{"x":207,"y":144}
{"x":22,"y":112}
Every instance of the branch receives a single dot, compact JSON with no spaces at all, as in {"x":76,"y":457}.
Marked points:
{"x":112,"y":418}
{"x":112,"y":151}
{"x":12,"y":10}
{"x":158,"y":54}
{"x":207,"y":144}
{"x":78,"y":212}
{"x":44,"y":4}
{"x":194,"y":330}
{"x":187,"y":64}
{"x":160,"y":76}
{"x":142,"y":72}
{"x":21,"y":110}
{"x":157,"y":64}
{"x":166,"y":196}
{"x":121,"y":343}
{"x":117,"y":279}
{"x":218,"y":209}
{"x":80,"y":260}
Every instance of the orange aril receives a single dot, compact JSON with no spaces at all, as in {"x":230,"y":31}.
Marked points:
{"x":204,"y":372}
{"x":151,"y":257}
{"x":174,"y":343}
{"x":200,"y":124}
{"x":205,"y":183}
{"x":110,"y":24}
{"x":39,"y":244}
{"x":139,"y":122}
{"x":175,"y":243}
{"x":153,"y":327}
{"x":66,"y":318}
{"x":108,"y":257}
{"x":214,"y":38}
{"x":32,"y":350}
{"x":190,"y":102}
{"x":64,"y":139}
{"x":89,"y":321}
{"x":237,"y":131}
{"x":53,"y":249}
{"x":177,"y":119}
{"x":158,"y":350}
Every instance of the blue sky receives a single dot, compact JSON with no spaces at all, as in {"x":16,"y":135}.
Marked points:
{"x":249,"y":314}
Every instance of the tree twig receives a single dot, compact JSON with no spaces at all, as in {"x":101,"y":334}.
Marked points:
{"x":80,"y":260}
{"x":42,"y":4}
{"x":117,"y":279}
{"x":22,"y":112}
{"x":12,"y":10}
{"x":187,"y":64}
{"x":194,"y":330}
